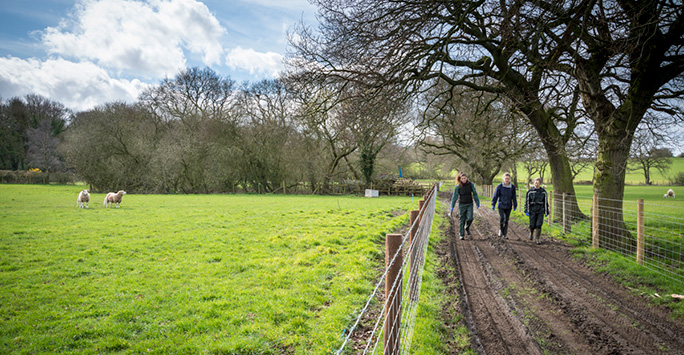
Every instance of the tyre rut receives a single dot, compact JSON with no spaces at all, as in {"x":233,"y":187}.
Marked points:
{"x":527,"y":298}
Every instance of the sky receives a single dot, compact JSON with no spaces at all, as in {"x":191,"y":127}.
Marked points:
{"x":84,"y":53}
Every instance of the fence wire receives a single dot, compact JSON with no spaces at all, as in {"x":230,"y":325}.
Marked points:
{"x":406,"y":287}
{"x":662,"y":231}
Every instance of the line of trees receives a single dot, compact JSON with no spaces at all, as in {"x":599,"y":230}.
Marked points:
{"x":198,"y":132}
{"x":562,"y":64}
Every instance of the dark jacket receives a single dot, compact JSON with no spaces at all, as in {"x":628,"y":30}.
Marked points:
{"x":457,"y":195}
{"x":536,"y":201}
{"x":506,"y":197}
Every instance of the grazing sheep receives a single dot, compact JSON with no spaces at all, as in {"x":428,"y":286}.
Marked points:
{"x":83,"y":198}
{"x":670,"y":193}
{"x":114,"y":198}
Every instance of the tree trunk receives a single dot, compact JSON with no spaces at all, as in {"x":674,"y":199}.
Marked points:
{"x":514,"y":172}
{"x":609,"y":186}
{"x":561,"y":173}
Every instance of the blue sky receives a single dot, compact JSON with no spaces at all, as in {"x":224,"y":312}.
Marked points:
{"x":84,"y":53}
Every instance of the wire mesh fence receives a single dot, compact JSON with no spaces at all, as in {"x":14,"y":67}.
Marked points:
{"x":650,"y":234}
{"x":391,"y":331}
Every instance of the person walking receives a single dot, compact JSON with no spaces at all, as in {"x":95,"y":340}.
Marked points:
{"x":536,"y":207}
{"x":464,"y":193}
{"x":506,"y":196}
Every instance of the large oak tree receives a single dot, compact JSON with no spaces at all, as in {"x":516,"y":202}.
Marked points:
{"x":620,"y":58}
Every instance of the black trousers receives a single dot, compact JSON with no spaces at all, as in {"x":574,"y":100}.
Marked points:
{"x":504,"y":216}
{"x":536,"y":220}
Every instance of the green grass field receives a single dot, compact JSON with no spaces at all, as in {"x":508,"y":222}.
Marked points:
{"x":217,"y":274}
{"x":633,"y":177}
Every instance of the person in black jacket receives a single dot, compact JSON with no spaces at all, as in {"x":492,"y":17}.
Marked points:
{"x":536,"y":207}
{"x":464,"y":193}
{"x":506,"y":196}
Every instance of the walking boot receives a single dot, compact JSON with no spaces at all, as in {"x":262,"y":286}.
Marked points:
{"x":537,"y":235}
{"x":531,"y":233}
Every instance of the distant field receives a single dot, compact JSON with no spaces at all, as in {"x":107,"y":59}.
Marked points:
{"x":220,"y":274}
{"x":632,"y":177}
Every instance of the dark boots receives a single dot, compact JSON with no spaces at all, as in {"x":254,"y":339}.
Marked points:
{"x":532,"y":233}
{"x":537,"y":235}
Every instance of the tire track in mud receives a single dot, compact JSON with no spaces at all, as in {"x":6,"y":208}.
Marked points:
{"x":601,"y":309}
{"x":555,"y":304}
{"x":496,"y":330}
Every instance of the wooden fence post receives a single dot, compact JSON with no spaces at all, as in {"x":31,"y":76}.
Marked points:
{"x":640,"y":231}
{"x":594,"y":222}
{"x":550,"y":206}
{"x":412,"y":235}
{"x":566,"y":225}
{"x":393,"y":298}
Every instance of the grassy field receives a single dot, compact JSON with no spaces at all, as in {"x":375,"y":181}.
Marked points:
{"x":633,"y":177}
{"x":217,"y":274}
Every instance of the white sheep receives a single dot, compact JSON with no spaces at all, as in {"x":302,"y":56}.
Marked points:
{"x":670,"y":193}
{"x":114,"y":198}
{"x":83,"y":198}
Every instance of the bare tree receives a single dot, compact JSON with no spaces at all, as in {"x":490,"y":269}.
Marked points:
{"x":111,"y":147}
{"x":378,"y":117}
{"x":620,"y":57}
{"x":48,"y":119}
{"x":479,"y":128}
{"x":269,"y":137}
{"x":42,"y":149}
{"x":198,"y":106}
{"x":324,"y":118}
{"x":647,"y":153}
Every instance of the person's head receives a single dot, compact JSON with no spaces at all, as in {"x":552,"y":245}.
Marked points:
{"x":537,"y":183}
{"x":463,"y":179}
{"x":506,"y":178}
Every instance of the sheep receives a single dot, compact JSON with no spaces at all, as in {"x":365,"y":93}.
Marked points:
{"x":114,"y":198}
{"x":670,"y":193}
{"x":83,"y":198}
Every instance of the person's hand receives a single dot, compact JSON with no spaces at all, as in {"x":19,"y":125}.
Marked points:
{"x":478,"y":207}
{"x":451,"y":212}
{"x":527,"y":214}
{"x":515,"y":208}
{"x":493,"y":208}
{"x":546,"y":214}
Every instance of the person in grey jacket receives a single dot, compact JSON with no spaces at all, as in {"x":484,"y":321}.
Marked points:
{"x":536,"y":207}
{"x":464,"y":193}
{"x":506,"y":196}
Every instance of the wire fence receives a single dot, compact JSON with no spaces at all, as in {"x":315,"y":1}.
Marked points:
{"x":650,"y":234}
{"x":391,"y":331}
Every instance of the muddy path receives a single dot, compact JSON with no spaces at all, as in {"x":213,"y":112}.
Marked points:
{"x":523,"y":298}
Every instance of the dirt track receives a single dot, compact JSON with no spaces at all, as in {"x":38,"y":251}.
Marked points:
{"x":523,"y":298}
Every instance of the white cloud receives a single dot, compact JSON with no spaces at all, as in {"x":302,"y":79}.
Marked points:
{"x":144,"y":38}
{"x":268,"y":63}
{"x":79,"y":86}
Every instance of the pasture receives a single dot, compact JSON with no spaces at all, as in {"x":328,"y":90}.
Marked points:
{"x":632,"y":177}
{"x":219,"y":274}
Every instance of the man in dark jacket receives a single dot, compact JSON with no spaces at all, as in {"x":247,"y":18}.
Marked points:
{"x":464,"y":193}
{"x":536,"y":207}
{"x":505,"y":194}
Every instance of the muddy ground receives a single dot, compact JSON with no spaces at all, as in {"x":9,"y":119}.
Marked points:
{"x":523,"y":298}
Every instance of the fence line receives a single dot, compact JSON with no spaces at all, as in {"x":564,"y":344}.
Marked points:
{"x":405,"y":260}
{"x":638,"y":230}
